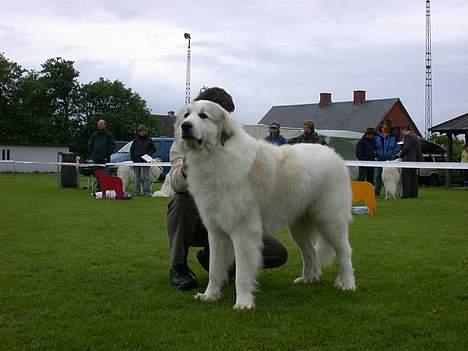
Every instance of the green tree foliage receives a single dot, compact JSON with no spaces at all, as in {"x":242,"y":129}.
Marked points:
{"x":122,"y":109}
{"x":457,"y":144}
{"x":11,"y":75}
{"x":51,"y":106}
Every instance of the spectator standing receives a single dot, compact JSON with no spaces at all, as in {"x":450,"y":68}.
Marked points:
{"x":275,"y":137}
{"x":464,"y":159}
{"x":410,"y":152}
{"x":308,"y":136}
{"x":365,"y":151}
{"x":386,"y":146}
{"x":101,"y":146}
{"x":142,"y":145}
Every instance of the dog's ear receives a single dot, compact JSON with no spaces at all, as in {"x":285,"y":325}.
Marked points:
{"x":227,"y":130}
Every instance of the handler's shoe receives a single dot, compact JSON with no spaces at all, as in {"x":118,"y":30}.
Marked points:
{"x":182,"y":277}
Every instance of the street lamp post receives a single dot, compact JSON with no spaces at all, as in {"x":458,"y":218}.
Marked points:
{"x":187,"y":76}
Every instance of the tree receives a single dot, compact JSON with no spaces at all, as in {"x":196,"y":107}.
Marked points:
{"x":60,"y":79}
{"x":50,"y":106}
{"x":457,"y":144}
{"x":122,"y":109}
{"x":11,"y":75}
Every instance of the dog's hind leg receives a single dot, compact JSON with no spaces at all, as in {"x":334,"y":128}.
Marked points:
{"x":304,"y":233}
{"x":248,"y":245}
{"x":335,"y":232}
{"x":221,"y":258}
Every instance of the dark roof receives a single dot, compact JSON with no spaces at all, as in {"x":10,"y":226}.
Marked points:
{"x":455,"y":125}
{"x":337,"y":115}
{"x":167,"y":124}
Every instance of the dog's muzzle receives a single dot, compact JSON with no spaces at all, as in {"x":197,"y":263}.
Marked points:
{"x":187,"y":131}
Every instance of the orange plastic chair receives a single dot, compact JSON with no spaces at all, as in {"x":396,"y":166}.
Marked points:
{"x":108,"y":182}
{"x":364,"y":191}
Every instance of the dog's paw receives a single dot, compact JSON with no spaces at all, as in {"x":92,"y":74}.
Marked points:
{"x":345,"y":283}
{"x":307,"y":280}
{"x":244,"y":306}
{"x":207,"y":297}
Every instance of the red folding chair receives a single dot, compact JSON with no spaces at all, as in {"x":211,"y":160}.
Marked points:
{"x":108,"y":182}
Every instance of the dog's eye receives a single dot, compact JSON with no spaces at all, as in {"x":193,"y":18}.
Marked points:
{"x":186,"y":114}
{"x":202,"y":116}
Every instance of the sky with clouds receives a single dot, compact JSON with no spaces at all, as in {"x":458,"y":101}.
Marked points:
{"x":263,"y":52}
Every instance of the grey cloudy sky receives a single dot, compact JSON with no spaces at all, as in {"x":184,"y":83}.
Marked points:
{"x":263,"y":52}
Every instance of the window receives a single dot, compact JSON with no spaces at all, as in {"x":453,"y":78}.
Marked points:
{"x":5,"y":154}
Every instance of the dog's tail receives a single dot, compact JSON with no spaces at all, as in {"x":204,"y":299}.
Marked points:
{"x":325,"y":252}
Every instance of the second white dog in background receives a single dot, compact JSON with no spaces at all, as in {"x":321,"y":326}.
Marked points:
{"x":391,"y":181}
{"x":127,"y":174}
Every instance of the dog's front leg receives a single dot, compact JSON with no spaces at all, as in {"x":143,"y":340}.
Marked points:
{"x":221,"y":258}
{"x":248,"y":253}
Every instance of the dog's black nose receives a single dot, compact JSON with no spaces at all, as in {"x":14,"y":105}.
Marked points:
{"x":186,"y":126}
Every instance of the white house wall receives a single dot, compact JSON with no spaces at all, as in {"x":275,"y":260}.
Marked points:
{"x":30,"y":153}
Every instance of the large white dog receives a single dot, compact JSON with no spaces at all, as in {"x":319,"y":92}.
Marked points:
{"x":243,"y":186}
{"x":127,"y":174}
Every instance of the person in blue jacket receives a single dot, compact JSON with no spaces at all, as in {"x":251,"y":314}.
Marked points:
{"x":274,"y":137}
{"x":386,"y":145}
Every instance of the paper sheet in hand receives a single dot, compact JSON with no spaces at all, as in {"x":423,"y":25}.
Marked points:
{"x":147,"y":158}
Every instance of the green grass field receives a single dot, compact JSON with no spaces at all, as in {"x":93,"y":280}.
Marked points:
{"x":83,"y":274}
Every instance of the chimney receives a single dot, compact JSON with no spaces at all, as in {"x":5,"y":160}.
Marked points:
{"x":171,"y":113}
{"x":359,"y":97}
{"x":325,"y":99}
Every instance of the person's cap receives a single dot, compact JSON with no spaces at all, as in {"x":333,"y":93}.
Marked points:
{"x":274,"y":124}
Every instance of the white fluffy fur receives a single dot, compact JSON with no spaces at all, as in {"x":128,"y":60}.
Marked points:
{"x":391,"y":181}
{"x":243,"y":186}
{"x":127,"y":174}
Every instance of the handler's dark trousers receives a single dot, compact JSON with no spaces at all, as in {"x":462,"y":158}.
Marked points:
{"x":409,"y":182}
{"x":185,"y":229}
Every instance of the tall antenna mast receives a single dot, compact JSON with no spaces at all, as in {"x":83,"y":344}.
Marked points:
{"x":428,"y":96}
{"x":187,"y":75}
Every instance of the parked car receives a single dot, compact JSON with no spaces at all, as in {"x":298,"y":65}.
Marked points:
{"x":433,"y":152}
{"x":162,"y":144}
{"x":119,"y":144}
{"x":436,"y":177}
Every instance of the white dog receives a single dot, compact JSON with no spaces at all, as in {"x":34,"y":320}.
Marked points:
{"x":127,"y":174}
{"x":391,"y":181}
{"x":243,"y":187}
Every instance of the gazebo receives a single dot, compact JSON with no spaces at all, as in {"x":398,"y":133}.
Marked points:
{"x":452,"y":127}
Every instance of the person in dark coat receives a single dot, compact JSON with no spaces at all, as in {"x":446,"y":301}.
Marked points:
{"x":142,"y":145}
{"x":410,"y":152}
{"x":366,"y":151}
{"x":101,"y":146}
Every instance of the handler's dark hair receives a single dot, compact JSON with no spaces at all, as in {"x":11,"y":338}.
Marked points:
{"x":218,"y":95}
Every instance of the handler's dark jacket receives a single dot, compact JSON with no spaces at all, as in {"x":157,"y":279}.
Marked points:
{"x":365,"y":149}
{"x":411,"y":150}
{"x":141,"y":146}
{"x":101,"y":146}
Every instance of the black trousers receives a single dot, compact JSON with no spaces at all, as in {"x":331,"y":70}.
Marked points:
{"x":366,"y":174}
{"x":409,"y":182}
{"x":185,"y":229}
